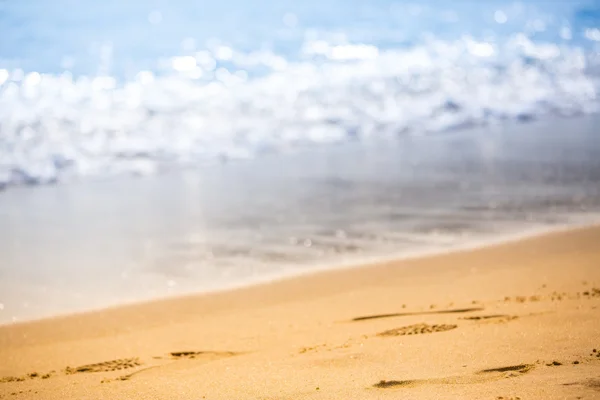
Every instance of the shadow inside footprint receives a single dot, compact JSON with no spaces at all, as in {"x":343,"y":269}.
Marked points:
{"x":496,"y":319}
{"x":389,"y":384}
{"x":406,"y":314}
{"x":484,"y":317}
{"x":592,"y":383}
{"x":196,"y":354}
{"x":518,"y":368}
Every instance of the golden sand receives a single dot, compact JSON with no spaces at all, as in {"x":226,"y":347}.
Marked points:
{"x":513,"y":321}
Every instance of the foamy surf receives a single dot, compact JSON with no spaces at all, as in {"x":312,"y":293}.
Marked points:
{"x":303,"y":82}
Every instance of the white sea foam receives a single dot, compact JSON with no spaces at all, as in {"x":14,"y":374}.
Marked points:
{"x":57,"y":127}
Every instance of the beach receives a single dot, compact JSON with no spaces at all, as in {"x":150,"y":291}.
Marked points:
{"x":509,"y":321}
{"x":299,"y":200}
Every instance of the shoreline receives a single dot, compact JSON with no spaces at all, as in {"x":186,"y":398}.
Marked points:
{"x":149,"y":253}
{"x":514,"y":320}
{"x":341,"y":266}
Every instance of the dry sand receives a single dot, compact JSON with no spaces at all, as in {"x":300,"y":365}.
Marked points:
{"x":513,"y":321}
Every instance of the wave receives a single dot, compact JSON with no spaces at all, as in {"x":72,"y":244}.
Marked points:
{"x":222,"y":103}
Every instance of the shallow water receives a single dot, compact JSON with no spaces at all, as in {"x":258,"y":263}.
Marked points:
{"x":96,"y":243}
{"x":159,"y":147}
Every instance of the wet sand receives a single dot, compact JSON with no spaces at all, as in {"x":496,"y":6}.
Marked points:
{"x":511,"y":321}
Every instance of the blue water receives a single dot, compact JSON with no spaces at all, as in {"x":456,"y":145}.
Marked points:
{"x":93,"y":90}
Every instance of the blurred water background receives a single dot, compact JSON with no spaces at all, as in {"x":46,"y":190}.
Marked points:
{"x":166,"y":147}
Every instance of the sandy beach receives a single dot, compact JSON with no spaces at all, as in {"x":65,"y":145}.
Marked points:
{"x":511,"y":321}
{"x":299,"y":200}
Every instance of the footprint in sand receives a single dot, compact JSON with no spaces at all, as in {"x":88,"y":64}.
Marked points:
{"x":482,"y":376}
{"x":179,"y":355}
{"x":407,"y":314}
{"x":107,"y":366}
{"x":32,"y":375}
{"x":402,"y":331}
{"x":417,"y":329}
{"x":126,"y":363}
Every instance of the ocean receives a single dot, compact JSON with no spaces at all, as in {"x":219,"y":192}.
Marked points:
{"x":160,"y":148}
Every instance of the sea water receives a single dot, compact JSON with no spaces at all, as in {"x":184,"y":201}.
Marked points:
{"x":156,"y":148}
